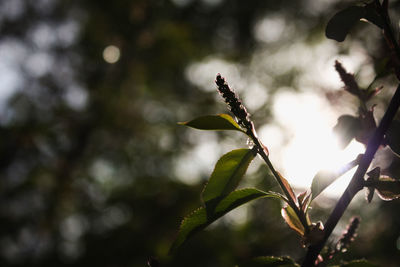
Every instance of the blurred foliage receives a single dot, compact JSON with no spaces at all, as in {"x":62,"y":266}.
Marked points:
{"x":88,"y":149}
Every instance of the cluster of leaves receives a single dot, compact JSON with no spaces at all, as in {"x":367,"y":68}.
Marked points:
{"x":361,"y":128}
{"x":220,"y":195}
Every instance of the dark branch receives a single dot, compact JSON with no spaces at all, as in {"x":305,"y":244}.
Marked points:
{"x":357,"y":182}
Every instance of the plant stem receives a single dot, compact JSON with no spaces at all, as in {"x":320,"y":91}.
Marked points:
{"x":291,"y":202}
{"x":242,"y":116}
{"x":357,"y":182}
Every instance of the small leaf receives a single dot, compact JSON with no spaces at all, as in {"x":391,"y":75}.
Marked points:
{"x":321,"y":181}
{"x":388,"y":188}
{"x":341,"y":23}
{"x":304,"y":200}
{"x":213,"y":122}
{"x":325,"y":178}
{"x":359,"y":263}
{"x":346,"y":129}
{"x":290,"y":217}
{"x":227,"y":173}
{"x":288,"y":187}
{"x":199,"y":219}
{"x":367,"y":126}
{"x":271,"y":261}
{"x":372,"y":16}
{"x":301,"y":196}
{"x":393,"y":137}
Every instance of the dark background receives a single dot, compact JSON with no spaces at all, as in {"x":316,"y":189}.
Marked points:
{"x":88,"y":149}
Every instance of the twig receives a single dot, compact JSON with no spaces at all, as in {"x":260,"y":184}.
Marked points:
{"x":243,"y":117}
{"x":357,"y":182}
{"x":291,"y":202}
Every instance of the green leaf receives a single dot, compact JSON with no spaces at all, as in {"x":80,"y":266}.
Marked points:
{"x":271,"y":261}
{"x":359,"y":263}
{"x":346,"y":129}
{"x":325,"y":178}
{"x":393,"y":137}
{"x":388,"y":188}
{"x":200,"y":218}
{"x":227,"y":173}
{"x":290,"y":217}
{"x":341,"y":23}
{"x":213,"y":122}
{"x":288,"y":188}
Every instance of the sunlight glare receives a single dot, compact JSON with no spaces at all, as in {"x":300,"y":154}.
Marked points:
{"x":313,"y":146}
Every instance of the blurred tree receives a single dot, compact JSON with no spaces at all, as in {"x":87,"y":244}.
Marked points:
{"x":90,"y":95}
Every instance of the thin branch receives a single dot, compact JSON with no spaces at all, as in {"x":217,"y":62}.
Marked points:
{"x":291,"y":202}
{"x":243,"y":117}
{"x":357,"y":182}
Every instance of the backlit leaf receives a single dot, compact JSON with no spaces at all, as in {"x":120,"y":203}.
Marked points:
{"x":388,"y":188}
{"x":346,"y":129}
{"x":367,"y":127}
{"x":304,"y":200}
{"x":325,"y":178}
{"x":200,"y":218}
{"x":227,"y":173}
{"x":322,"y":180}
{"x":213,"y":122}
{"x":288,"y":187}
{"x":290,"y":217}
